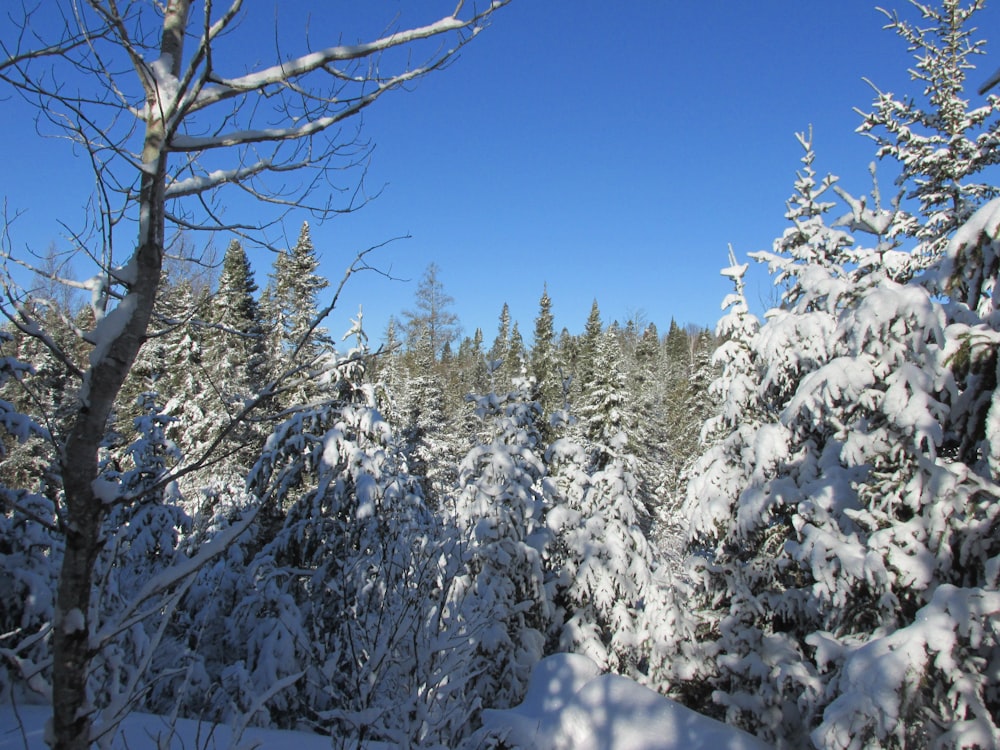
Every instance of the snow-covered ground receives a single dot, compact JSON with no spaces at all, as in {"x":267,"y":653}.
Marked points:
{"x":569,"y":705}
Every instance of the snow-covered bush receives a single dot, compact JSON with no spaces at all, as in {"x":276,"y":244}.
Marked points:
{"x":29,"y":556}
{"x":340,"y":622}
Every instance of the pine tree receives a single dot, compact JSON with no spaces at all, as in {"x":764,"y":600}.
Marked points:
{"x":940,"y":143}
{"x":431,"y":316}
{"x":838,"y":524}
{"x":592,"y":331}
{"x":499,"y":509}
{"x":605,"y":410}
{"x":544,"y":367}
{"x":295,"y":290}
{"x":516,"y":366}
{"x":239,"y":330}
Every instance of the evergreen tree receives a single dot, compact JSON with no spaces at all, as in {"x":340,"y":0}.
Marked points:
{"x":472,"y":364}
{"x":544,"y":365}
{"x":499,"y":509}
{"x":601,"y":560}
{"x":646,"y":378}
{"x":239,"y":330}
{"x":431,"y":316}
{"x":940,"y":143}
{"x":189,"y":385}
{"x":296,"y":287}
{"x":389,"y":371}
{"x":516,"y":365}
{"x":832,"y":505}
{"x":43,"y":391}
{"x":592,"y":331}
{"x":501,"y":344}
{"x":569,"y":355}
{"x":356,"y":638}
{"x":143,"y":533}
{"x":426,"y":429}
{"x":606,"y":415}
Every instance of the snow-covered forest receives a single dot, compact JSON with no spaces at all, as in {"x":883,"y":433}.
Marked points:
{"x":217,"y":509}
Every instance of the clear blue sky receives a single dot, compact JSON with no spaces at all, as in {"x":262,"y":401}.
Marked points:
{"x":611,"y":151}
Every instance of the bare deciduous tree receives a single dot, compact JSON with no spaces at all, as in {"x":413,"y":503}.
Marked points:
{"x":161,"y":103}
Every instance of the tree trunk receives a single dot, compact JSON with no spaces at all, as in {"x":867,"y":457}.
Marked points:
{"x":84,"y":511}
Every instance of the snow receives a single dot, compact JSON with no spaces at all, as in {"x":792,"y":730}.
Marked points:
{"x":106,"y":490}
{"x":110,"y":328}
{"x":299,"y":66}
{"x":23,"y":729}
{"x":202,"y":183}
{"x":74,"y":621}
{"x":569,"y":704}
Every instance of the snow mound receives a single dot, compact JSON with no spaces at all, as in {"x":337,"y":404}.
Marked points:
{"x":571,"y":706}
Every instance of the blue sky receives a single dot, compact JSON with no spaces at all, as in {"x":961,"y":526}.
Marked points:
{"x":610,"y":151}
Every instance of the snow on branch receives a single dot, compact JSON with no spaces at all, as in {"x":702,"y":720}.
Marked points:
{"x":181,"y":143}
{"x":172,"y":576}
{"x":300,"y":66}
{"x":201,"y":183}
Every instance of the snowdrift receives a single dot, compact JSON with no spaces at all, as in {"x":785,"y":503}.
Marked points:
{"x":570,"y":705}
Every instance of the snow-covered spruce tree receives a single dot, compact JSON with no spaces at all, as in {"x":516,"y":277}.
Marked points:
{"x":46,"y":394}
{"x":686,"y":376}
{"x":498,"y":357}
{"x":940,"y":142}
{"x":154,"y":83}
{"x":232,"y":371}
{"x":499,"y":510}
{"x":607,"y":420}
{"x":425,"y":428}
{"x":237,"y":335}
{"x":714,"y":482}
{"x":853,"y":528}
{"x":516,"y":365}
{"x":611,"y":603}
{"x":647,"y":382}
{"x":602,"y":562}
{"x":905,"y":576}
{"x":291,"y":309}
{"x":471,"y":369}
{"x":744,"y":492}
{"x":586,"y":351}
{"x":186,"y":387}
{"x":543,"y":364}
